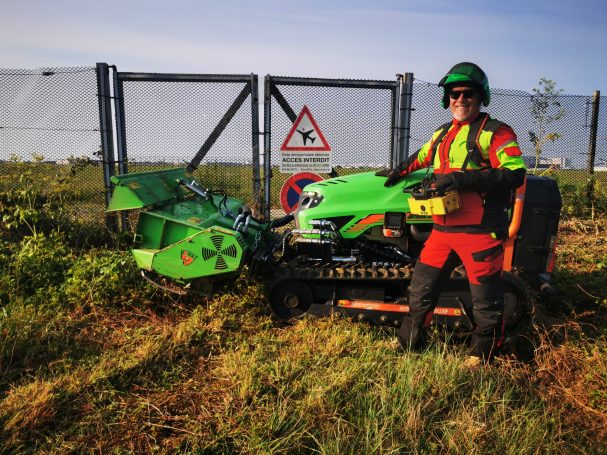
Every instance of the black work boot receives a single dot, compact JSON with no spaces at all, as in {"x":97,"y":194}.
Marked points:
{"x":423,"y":294}
{"x":488,"y":310}
{"x":411,"y":337}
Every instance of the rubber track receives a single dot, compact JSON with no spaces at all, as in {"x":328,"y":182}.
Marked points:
{"x":337,"y":272}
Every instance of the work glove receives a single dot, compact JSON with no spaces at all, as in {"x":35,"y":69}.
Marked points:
{"x":393,"y":176}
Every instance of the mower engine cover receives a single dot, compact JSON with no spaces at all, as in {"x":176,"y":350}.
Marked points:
{"x":357,"y":202}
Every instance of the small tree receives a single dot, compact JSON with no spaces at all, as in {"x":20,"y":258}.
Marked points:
{"x":545,"y":109}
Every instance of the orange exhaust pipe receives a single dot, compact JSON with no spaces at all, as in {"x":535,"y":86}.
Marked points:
{"x":515,"y":225}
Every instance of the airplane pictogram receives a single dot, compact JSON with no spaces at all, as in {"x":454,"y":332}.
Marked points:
{"x":305,"y":135}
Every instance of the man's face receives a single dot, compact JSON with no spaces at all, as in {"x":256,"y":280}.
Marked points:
{"x":464,"y":103}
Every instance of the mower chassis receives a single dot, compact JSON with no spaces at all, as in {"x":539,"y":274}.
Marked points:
{"x":378,"y":295}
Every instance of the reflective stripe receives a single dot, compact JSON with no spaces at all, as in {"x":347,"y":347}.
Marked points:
{"x":508,"y":144}
{"x":508,"y":160}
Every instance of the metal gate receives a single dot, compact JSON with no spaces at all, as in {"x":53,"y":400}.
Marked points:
{"x":202,"y":121}
{"x":359,"y":118}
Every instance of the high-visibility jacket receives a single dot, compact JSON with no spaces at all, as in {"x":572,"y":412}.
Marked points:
{"x":492,"y":145}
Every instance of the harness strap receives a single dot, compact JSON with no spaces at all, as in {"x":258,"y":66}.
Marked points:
{"x":474,"y":229}
{"x":482,"y":123}
{"x":444,"y":129}
{"x":470,"y":229}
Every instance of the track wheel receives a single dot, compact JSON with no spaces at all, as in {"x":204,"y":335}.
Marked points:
{"x":290,"y":299}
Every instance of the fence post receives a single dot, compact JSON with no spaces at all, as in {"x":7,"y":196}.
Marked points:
{"x":107,"y":139}
{"x":120,"y":124}
{"x":120,"y":138}
{"x":596,"y":97}
{"x":267,"y":143}
{"x":404,"y":121}
{"x":395,"y":137}
{"x":255,"y":139}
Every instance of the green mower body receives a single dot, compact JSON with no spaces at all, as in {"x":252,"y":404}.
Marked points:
{"x":353,"y":248}
{"x":185,"y":232}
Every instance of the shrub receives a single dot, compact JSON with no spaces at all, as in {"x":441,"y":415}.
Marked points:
{"x":41,"y":197}
{"x":102,"y":277}
{"x":39,"y":265}
{"x":575,"y":199}
{"x":5,"y":278}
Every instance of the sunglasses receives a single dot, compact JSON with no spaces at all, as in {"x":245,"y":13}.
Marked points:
{"x":468,"y":94}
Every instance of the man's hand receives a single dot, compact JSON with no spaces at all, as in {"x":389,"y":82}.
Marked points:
{"x":393,"y":176}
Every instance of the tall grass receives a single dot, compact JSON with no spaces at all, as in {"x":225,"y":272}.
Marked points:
{"x":82,"y":183}
{"x":101,"y":362}
{"x":92,"y":359}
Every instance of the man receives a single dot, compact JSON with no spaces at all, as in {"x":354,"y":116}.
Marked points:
{"x":480,"y":158}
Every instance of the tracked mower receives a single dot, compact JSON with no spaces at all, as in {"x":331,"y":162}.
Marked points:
{"x":352,"y":250}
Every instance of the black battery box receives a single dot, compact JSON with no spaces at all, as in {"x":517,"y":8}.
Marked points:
{"x":536,"y":240}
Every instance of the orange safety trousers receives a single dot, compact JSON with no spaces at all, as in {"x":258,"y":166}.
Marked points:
{"x":481,"y":254}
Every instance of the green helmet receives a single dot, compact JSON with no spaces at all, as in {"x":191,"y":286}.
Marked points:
{"x":465,"y":73}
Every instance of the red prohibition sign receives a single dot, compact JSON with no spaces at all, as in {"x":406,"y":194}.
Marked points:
{"x":292,"y":188}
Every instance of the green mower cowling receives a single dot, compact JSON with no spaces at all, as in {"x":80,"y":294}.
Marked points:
{"x":185,"y":232}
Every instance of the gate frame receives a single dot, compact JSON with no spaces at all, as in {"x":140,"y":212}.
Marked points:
{"x":400,"y":117}
{"x":250,"y":88}
{"x":107,"y":137}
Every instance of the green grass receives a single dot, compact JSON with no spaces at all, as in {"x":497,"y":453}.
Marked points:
{"x":92,"y":359}
{"x":82,"y":182}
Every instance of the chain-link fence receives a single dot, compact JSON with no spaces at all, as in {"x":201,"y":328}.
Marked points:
{"x":567,"y":153}
{"x":50,"y":117}
{"x":565,"y":137}
{"x":49,"y":134}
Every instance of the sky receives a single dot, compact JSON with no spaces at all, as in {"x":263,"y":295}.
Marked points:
{"x":516,"y":42}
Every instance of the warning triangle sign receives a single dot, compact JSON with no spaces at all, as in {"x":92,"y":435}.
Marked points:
{"x":305,"y":135}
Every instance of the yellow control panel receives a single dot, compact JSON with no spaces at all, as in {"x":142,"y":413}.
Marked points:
{"x":440,"y":205}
